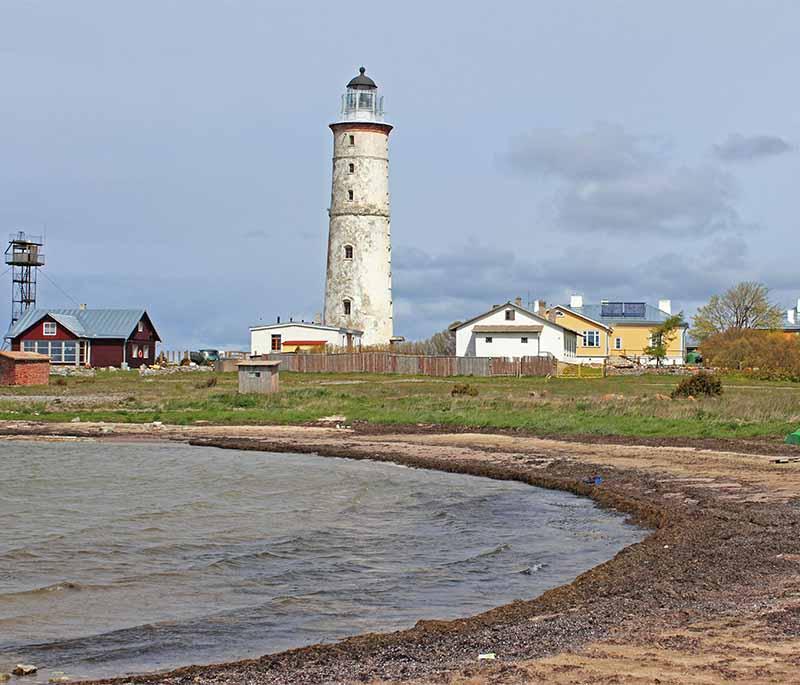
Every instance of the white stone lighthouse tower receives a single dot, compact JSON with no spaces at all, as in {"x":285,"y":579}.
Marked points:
{"x":358,"y":286}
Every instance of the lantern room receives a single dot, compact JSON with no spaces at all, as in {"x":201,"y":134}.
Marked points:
{"x":361,"y":102}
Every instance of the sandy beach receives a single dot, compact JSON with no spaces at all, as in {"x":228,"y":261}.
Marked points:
{"x":711,"y":596}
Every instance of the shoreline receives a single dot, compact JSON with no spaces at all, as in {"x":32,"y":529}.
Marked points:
{"x":724,"y":552}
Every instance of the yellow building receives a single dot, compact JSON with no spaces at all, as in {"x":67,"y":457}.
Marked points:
{"x":594,"y":338}
{"x":619,"y":329}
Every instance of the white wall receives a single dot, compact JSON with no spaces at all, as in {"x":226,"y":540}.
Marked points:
{"x":507,"y":345}
{"x":549,"y":340}
{"x":261,"y":337}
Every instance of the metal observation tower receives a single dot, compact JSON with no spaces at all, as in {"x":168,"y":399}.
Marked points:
{"x":24,"y":256}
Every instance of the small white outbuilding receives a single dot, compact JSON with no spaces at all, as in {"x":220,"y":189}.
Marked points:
{"x":301,"y":336}
{"x":511,"y":331}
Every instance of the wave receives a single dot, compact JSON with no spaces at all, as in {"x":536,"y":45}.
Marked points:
{"x":529,"y":570}
{"x":239,"y":560}
{"x":481,"y":555}
{"x":63,"y":586}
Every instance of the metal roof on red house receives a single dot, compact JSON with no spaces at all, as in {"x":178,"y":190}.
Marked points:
{"x":87,"y":323}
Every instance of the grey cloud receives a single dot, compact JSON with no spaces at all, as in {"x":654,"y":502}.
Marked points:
{"x":605,"y":153}
{"x":436,"y":289}
{"x":616,"y":181}
{"x":739,"y":148}
{"x":676,"y":201}
{"x":433,"y":296}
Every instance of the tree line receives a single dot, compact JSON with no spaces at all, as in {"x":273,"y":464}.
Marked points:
{"x":741,"y":330}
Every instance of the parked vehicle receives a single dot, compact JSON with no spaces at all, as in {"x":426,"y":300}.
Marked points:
{"x":210,"y":355}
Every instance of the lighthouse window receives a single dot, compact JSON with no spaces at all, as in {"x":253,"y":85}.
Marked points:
{"x":347,"y":307}
{"x":349,"y":194}
{"x":348,"y":251}
{"x":352,"y":140}
{"x":351,"y":168}
{"x":365,"y":101}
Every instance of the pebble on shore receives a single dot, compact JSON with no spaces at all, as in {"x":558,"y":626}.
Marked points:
{"x":24,"y":669}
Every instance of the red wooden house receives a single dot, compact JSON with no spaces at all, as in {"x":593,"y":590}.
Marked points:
{"x":87,"y":337}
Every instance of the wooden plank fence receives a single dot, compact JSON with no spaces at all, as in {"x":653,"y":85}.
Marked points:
{"x":414,"y":365}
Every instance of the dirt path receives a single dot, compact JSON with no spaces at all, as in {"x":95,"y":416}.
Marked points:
{"x":711,"y":596}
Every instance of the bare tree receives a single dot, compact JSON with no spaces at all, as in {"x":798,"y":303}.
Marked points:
{"x":744,"y":306}
{"x":442,"y":344}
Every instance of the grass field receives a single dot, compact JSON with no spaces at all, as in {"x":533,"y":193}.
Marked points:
{"x":631,"y":406}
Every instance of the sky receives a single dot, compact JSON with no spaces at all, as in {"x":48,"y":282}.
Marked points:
{"x":177,"y":154}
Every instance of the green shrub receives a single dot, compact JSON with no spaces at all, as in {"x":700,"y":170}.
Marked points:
{"x":464,"y":389}
{"x":700,"y":384}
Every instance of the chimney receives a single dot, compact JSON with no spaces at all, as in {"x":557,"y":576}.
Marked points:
{"x":518,"y":301}
{"x":576,"y":301}
{"x":318,"y":318}
{"x":538,"y":306}
{"x":665,"y":306}
{"x":279,"y":319}
{"x":82,"y":307}
{"x":790,"y":315}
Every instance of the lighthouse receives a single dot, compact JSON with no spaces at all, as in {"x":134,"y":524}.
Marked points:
{"x":358,"y":283}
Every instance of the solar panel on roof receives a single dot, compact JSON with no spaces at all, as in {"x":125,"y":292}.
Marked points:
{"x":611,"y":309}
{"x":634,"y":309}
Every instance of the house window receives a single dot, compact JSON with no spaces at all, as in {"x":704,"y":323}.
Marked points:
{"x":140,"y":327}
{"x":617,"y":343}
{"x":488,"y":339}
{"x":134,"y":351}
{"x":275,"y":343}
{"x":351,"y":168}
{"x":510,"y":314}
{"x":524,"y":341}
{"x":559,"y":313}
{"x":49,"y":328}
{"x":348,"y":251}
{"x":591,"y":338}
{"x":147,"y":351}
{"x":60,"y":352}
{"x":347,"y":307}
{"x":352,"y":140}
{"x":349,"y":194}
